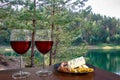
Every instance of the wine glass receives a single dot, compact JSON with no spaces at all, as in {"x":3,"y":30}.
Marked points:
{"x":44,"y":44}
{"x":20,"y":43}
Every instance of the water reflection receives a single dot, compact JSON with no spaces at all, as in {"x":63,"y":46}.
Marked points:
{"x":106,"y":59}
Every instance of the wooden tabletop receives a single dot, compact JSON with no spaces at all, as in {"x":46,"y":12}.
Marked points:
{"x":98,"y":74}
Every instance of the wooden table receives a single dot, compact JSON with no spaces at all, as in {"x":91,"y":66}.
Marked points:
{"x":98,"y":74}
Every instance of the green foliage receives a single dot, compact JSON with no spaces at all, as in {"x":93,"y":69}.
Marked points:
{"x":4,"y":37}
{"x":72,"y":27}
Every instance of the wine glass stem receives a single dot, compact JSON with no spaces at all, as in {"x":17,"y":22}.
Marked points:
{"x":21,"y":64}
{"x":43,"y":61}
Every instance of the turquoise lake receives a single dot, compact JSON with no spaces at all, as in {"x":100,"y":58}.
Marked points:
{"x":105,"y":59}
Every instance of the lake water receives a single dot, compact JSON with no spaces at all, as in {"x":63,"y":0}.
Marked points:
{"x":105,"y":59}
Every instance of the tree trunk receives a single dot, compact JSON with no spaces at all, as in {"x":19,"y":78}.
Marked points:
{"x":51,"y":51}
{"x":52,"y":29}
{"x":33,"y":35}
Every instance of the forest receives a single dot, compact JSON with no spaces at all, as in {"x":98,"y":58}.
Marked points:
{"x":72,"y":24}
{"x":82,"y":25}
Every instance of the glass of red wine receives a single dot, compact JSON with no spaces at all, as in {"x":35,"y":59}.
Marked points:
{"x":44,"y":44}
{"x":20,"y":43}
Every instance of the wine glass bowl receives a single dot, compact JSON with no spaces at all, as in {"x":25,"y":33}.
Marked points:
{"x":20,"y":47}
{"x":44,"y":44}
{"x":20,"y":43}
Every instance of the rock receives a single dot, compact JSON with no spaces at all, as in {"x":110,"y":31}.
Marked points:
{"x":8,"y":62}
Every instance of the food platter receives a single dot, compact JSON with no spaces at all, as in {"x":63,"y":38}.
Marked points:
{"x":77,"y":70}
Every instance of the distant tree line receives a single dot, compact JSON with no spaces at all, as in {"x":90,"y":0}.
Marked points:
{"x":96,"y":29}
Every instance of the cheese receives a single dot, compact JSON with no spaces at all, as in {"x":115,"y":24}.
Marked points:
{"x":76,"y":62}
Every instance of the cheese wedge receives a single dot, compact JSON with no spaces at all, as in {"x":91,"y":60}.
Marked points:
{"x":76,"y":62}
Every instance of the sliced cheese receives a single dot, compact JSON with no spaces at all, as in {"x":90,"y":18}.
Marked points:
{"x":85,"y":66}
{"x":76,"y":62}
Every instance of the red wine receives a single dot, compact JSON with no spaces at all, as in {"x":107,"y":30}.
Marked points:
{"x":20,"y":47}
{"x":44,"y":46}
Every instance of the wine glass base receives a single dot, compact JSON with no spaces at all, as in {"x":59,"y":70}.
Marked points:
{"x":20,"y":75}
{"x":43,"y":73}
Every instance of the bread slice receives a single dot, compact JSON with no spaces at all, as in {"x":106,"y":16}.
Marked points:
{"x":76,"y":62}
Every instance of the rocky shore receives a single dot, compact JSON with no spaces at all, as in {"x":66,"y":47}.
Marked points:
{"x":8,"y":62}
